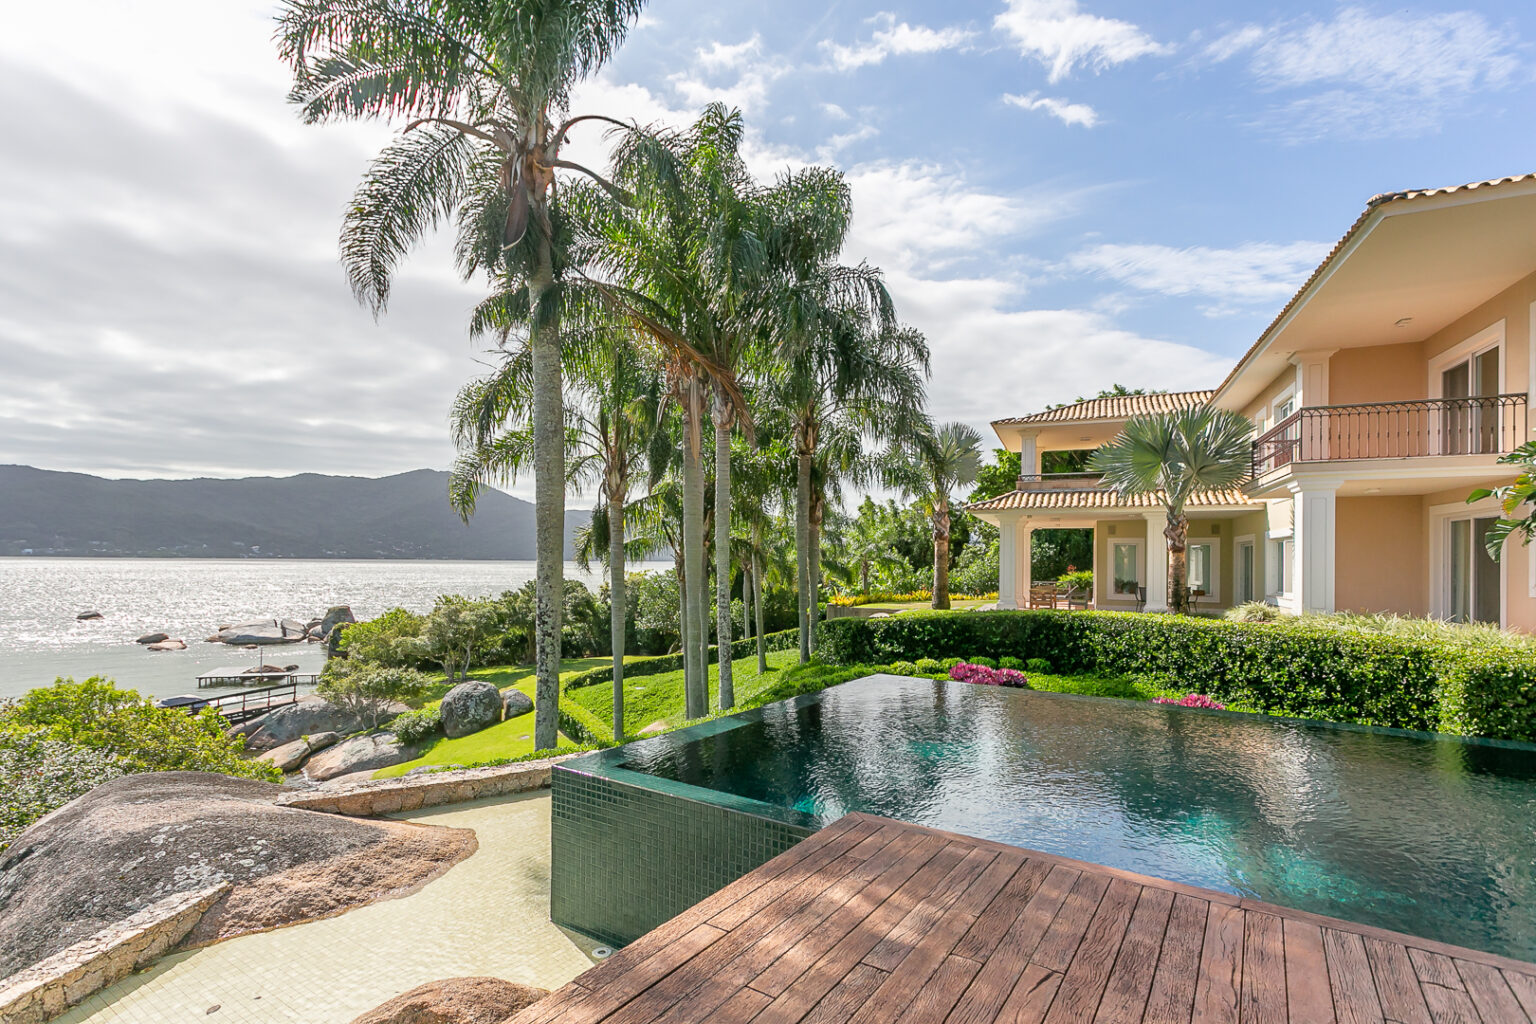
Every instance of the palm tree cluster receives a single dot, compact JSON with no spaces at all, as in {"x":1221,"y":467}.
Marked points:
{"x":668,"y":329}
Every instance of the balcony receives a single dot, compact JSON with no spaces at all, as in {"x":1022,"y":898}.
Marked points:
{"x":1488,"y":425}
{"x":1060,"y":481}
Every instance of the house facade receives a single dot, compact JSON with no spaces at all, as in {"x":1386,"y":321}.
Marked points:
{"x":1382,"y":394}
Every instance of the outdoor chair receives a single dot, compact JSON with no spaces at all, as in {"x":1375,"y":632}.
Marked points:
{"x":1079,"y":597}
{"x":1141,"y":599}
{"x":1042,"y":595}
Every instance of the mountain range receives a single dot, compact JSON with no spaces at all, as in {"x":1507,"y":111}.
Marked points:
{"x":311,"y":515}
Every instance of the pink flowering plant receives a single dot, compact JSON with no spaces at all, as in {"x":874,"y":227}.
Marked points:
{"x":1193,"y":700}
{"x":966,"y":672}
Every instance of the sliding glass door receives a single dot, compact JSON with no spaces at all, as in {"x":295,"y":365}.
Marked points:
{"x":1475,"y":593}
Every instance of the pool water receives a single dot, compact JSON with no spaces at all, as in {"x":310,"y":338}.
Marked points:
{"x":1434,"y":836}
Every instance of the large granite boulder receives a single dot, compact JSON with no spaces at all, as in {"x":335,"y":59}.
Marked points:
{"x":86,"y":616}
{"x":264,"y":631}
{"x":360,"y":754}
{"x":152,"y":638}
{"x":470,"y":707}
{"x":334,"y":616}
{"x":456,"y":1001}
{"x":515,"y":704}
{"x":291,"y":756}
{"x":311,"y":715}
{"x":133,"y":841}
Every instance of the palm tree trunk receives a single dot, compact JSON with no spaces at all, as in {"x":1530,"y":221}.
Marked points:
{"x":1177,"y":534}
{"x":815,"y":565}
{"x":682,"y":612}
{"x":617,"y":606}
{"x":746,"y":600}
{"x":803,"y":548}
{"x":548,"y":502}
{"x":723,"y":418}
{"x":757,"y":597}
{"x":941,"y":555}
{"x":696,"y":692}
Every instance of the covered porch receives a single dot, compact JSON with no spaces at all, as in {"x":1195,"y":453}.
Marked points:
{"x":1130,"y":552}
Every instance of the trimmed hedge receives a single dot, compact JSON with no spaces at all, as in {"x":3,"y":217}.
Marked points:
{"x":633,"y":668}
{"x":1286,"y":668}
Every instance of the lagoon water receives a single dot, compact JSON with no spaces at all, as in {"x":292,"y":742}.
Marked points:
{"x":40,"y":638}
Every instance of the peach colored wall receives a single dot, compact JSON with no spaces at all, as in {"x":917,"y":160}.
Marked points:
{"x":1519,"y":605}
{"x":1381,"y":555}
{"x":1381,"y":373}
{"x":1513,"y":306}
{"x":1258,"y":409}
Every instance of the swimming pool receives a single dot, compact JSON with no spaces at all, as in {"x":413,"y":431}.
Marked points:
{"x":1435,"y":836}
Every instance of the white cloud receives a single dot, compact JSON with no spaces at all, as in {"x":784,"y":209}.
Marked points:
{"x":1397,"y":74}
{"x":720,"y":56}
{"x":835,"y":112}
{"x":751,"y":76}
{"x":1061,"y":36}
{"x":1063,"y":110}
{"x":1245,"y":275}
{"x":828,"y":151}
{"x":892,"y":39}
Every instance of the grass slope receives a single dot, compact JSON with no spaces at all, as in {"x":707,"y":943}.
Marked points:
{"x":512,"y":738}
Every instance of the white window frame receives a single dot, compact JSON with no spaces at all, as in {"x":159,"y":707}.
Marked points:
{"x":1258,"y":568}
{"x":1440,"y":517}
{"x":1136,"y":543}
{"x":1287,"y":395}
{"x":1485,"y":340}
{"x":1212,"y":592}
{"x":1276,"y":573}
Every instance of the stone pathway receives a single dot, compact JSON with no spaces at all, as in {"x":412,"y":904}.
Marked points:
{"x":487,"y":916}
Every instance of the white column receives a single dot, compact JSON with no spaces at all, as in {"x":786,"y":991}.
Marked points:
{"x":1029,"y":455}
{"x":1314,"y":540}
{"x":1023,"y":544}
{"x":1311,"y":393}
{"x":1156,"y":551}
{"x":1007,"y":585}
{"x":1099,"y":580}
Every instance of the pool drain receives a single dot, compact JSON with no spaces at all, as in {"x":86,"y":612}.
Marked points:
{"x":602,"y":953}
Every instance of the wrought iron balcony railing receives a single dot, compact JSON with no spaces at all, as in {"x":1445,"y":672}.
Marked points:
{"x":1487,"y":425}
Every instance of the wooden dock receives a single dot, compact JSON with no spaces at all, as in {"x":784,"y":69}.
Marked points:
{"x":873,"y":921}
{"x":237,"y":675}
{"x":242,"y":706}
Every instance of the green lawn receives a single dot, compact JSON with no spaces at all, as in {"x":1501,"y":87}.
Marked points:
{"x":512,"y":738}
{"x":659,"y":698}
{"x":955,"y":604}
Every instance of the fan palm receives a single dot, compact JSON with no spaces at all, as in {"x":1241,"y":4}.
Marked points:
{"x":1177,"y":455}
{"x":485,"y":83}
{"x":930,"y":466}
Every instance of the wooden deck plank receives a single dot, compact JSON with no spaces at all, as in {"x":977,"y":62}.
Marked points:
{"x":1001,"y":971}
{"x":1221,"y":967}
{"x":1172,"y":1000}
{"x":1130,"y":980}
{"x":1082,"y":984}
{"x":1309,"y":999}
{"x":1349,"y":977}
{"x":880,"y":922}
{"x":1495,"y":1003}
{"x":1263,"y":995}
{"x":1397,"y":984}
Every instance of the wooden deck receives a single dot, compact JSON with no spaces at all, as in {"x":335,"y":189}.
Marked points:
{"x":873,"y":921}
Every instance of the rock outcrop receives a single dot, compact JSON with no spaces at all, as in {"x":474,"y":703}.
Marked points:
{"x":152,"y":638}
{"x":264,"y":631}
{"x":470,"y":707}
{"x":515,"y":704}
{"x":309,"y":716}
{"x":456,"y":1001}
{"x":167,"y":645}
{"x":84,"y":616}
{"x":360,"y":754}
{"x":138,"y":839}
{"x":291,"y":756}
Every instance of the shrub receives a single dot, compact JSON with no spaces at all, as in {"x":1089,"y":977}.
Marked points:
{"x":39,"y":775}
{"x":1420,"y":676}
{"x":968,"y":672}
{"x":1252,"y":611}
{"x":1193,"y":700}
{"x":368,"y":691}
{"x":1077,"y":578}
{"x":904,"y":668}
{"x":98,"y":716}
{"x":389,"y":639}
{"x":945,"y":664}
{"x":1039,"y":665}
{"x":416,"y":726}
{"x":928,"y":666}
{"x":983,"y":662}
{"x":1018,"y":665}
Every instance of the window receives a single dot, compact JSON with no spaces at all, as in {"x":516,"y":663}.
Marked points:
{"x":1282,"y":559}
{"x":1475,"y":591}
{"x":1125,"y":560}
{"x":1200,"y":559}
{"x":1244,"y":576}
{"x":1284,"y":406}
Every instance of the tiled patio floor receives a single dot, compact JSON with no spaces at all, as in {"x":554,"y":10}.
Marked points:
{"x":486,"y":916}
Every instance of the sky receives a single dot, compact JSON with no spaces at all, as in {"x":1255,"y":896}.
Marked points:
{"x":1062,"y":194}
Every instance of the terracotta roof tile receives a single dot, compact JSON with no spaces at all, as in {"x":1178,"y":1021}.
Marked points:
{"x":1375,"y":203}
{"x":1117,"y":407}
{"x":1099,"y":498}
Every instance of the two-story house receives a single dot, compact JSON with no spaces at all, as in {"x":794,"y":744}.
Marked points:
{"x":1382,"y":394}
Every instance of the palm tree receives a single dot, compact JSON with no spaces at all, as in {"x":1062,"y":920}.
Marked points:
{"x":611,"y":435}
{"x":930,"y":466}
{"x":870,"y":541}
{"x":485,"y":83}
{"x":1177,"y":455}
